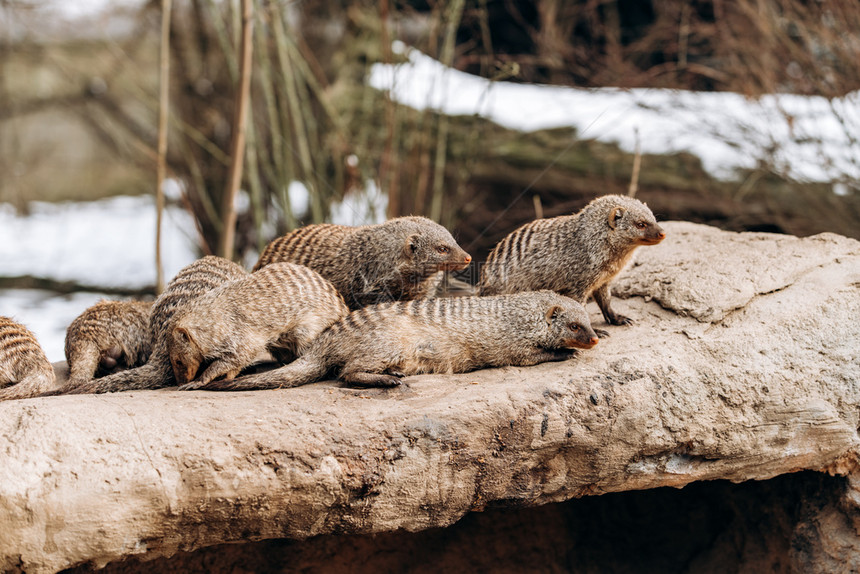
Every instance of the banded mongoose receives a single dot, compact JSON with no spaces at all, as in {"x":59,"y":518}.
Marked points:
{"x":281,"y":308}
{"x":24,"y":369}
{"x":575,"y":255}
{"x":390,"y":261}
{"x":191,"y":282}
{"x":107,"y":337}
{"x":379,"y":344}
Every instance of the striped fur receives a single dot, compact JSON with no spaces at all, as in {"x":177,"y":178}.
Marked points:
{"x":107,"y":337}
{"x":378,"y":344}
{"x":280,"y":308}
{"x":190,"y":283}
{"x":391,"y":261}
{"x":575,"y":255}
{"x":24,"y":369}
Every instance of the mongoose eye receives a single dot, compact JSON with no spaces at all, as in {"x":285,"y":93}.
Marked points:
{"x":443,"y":249}
{"x":641,"y":225}
{"x":573,"y":327}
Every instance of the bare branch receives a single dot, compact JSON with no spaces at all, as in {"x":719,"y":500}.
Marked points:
{"x":237,"y":144}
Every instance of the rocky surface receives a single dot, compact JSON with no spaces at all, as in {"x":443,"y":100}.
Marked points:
{"x":744,"y":364}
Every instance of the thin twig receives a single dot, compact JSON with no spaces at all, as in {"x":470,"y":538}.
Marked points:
{"x":237,"y":143}
{"x":455,"y":14}
{"x":637,"y":162}
{"x":163,"y":107}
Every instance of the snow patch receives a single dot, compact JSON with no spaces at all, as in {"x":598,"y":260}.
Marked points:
{"x":800,"y":137}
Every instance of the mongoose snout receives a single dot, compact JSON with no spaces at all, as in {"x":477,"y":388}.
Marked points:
{"x":457,"y":259}
{"x":584,"y":341}
{"x":652,"y":234}
{"x":187,"y":364}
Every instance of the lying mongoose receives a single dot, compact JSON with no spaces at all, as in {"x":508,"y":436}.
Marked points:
{"x":107,"y":337}
{"x":575,"y":255}
{"x":281,"y":308}
{"x":24,"y":369}
{"x":372,"y":263}
{"x":379,"y":344}
{"x":190,"y":283}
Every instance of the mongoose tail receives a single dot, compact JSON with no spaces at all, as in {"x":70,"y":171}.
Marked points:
{"x":152,"y":375}
{"x":32,"y":385}
{"x":304,"y":370}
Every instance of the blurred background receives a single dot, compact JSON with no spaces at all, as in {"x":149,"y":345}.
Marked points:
{"x":481,"y":114}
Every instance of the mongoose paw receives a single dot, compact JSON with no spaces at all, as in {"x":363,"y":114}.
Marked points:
{"x":372,"y":380}
{"x":560,"y":354}
{"x":622,"y":320}
{"x":601,"y":333}
{"x":192,"y":386}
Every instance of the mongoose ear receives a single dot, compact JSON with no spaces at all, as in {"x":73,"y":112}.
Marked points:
{"x":551,"y":314}
{"x":615,"y":214}
{"x":182,"y":334}
{"x":411,"y":245}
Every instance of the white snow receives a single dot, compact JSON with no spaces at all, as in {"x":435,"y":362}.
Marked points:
{"x":360,"y":207}
{"x":110,"y":242}
{"x":804,"y":138}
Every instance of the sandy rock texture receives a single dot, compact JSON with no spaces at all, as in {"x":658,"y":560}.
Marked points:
{"x":744,"y":364}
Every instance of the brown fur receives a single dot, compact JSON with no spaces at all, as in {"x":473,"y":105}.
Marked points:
{"x":190,"y":283}
{"x":378,"y":344}
{"x":24,"y":369}
{"x":281,"y":308}
{"x":576,"y":255}
{"x":108,"y":337}
{"x":391,"y":261}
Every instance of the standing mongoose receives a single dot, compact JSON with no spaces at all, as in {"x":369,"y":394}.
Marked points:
{"x":107,"y":337}
{"x":390,"y":261}
{"x":24,"y":369}
{"x":280,"y":308}
{"x":191,"y":282}
{"x":575,"y":255}
{"x":378,"y":344}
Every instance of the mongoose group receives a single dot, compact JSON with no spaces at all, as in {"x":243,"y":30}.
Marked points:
{"x":358,"y":302}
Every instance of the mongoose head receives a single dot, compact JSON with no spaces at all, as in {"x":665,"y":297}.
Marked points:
{"x":431,"y":248}
{"x":185,"y":355}
{"x":569,"y":326}
{"x":630,"y":221}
